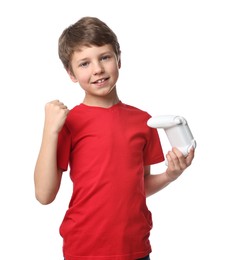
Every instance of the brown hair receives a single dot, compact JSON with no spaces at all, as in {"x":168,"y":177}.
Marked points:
{"x":85,"y":32}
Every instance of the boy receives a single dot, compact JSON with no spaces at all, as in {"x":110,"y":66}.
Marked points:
{"x":109,"y":149}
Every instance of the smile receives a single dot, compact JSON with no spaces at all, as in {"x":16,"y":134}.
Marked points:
{"x":100,"y":81}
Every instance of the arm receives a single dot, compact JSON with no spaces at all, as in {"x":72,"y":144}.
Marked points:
{"x":177,"y":163}
{"x":47,"y":177}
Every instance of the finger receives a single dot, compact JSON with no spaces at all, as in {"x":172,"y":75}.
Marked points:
{"x":63,"y":106}
{"x":177,"y":152}
{"x":56,"y":101}
{"x":181,"y":157}
{"x":190,"y":156}
{"x":178,"y":159}
{"x":59,"y":103}
{"x":175,"y":155}
{"x":171,"y":160}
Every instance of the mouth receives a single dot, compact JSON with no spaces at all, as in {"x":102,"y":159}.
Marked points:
{"x":100,"y":81}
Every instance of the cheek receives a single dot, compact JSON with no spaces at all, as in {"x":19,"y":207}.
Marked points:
{"x":115,"y":72}
{"x":83,"y":76}
{"x":113,"y":69}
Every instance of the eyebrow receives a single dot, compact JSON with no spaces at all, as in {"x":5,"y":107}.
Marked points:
{"x":101,"y":54}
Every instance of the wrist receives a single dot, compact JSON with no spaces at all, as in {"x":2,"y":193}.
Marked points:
{"x":50,"y":133}
{"x":169,"y":177}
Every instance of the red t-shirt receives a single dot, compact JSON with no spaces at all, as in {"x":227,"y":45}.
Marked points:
{"x":107,"y":149}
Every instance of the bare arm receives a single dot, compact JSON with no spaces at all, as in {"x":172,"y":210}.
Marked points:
{"x":47,"y":176}
{"x":177,"y":163}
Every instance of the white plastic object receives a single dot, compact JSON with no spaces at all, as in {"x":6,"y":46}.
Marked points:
{"x":177,"y":131}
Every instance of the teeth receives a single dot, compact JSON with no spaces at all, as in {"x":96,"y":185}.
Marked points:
{"x":100,"y":80}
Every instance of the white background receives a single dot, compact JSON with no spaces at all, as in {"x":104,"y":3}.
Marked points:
{"x":174,"y":61}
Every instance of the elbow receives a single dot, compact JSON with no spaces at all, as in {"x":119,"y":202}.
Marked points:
{"x":148,"y":193}
{"x":44,"y":199}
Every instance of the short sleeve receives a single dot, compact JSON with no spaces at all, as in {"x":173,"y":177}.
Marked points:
{"x":63,"y":148}
{"x":153,"y":152}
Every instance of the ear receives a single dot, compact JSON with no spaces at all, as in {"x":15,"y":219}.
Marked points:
{"x":71,"y":75}
{"x":119,"y":62}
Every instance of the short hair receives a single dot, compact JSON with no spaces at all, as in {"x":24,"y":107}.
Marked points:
{"x":87,"y":31}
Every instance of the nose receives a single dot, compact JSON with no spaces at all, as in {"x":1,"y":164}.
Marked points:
{"x":98,"y":68}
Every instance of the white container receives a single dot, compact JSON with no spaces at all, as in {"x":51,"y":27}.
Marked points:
{"x":177,"y":131}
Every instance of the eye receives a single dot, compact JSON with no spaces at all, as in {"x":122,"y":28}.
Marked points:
{"x":105,"y":57}
{"x":84,"y":64}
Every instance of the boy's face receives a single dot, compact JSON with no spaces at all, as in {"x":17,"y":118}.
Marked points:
{"x":96,"y":69}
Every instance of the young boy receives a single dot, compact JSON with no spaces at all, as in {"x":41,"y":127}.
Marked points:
{"x":109,"y":149}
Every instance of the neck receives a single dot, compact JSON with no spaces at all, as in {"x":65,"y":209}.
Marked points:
{"x":101,"y":101}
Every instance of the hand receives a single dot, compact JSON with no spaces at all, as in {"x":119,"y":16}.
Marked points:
{"x":55,"y":116}
{"x":177,"y":162}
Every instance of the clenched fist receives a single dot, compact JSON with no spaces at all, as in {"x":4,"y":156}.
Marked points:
{"x":55,"y":116}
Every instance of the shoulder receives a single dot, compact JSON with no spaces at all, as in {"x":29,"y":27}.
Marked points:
{"x":74,"y":112}
{"x":136,"y":110}
{"x":73,"y":116}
